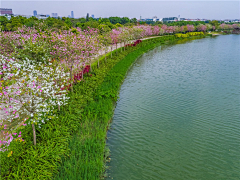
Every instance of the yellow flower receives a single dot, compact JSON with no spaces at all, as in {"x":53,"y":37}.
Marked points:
{"x":9,"y":154}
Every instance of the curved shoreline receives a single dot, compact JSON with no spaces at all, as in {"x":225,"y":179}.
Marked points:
{"x":75,"y":149}
{"x":169,"y":87}
{"x":102,"y":107}
{"x":106,"y":96}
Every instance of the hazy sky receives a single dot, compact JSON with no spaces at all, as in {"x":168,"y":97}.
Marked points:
{"x":147,"y":9}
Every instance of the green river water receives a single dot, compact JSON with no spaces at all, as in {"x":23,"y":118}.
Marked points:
{"x":178,"y":114}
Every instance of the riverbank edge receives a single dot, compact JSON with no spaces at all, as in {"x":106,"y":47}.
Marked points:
{"x":108,"y":98}
{"x":103,"y":106}
{"x":73,"y":145}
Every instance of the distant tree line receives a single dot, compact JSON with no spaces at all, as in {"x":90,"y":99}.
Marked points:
{"x":195,"y":23}
{"x":103,"y":24}
{"x":65,"y":23}
{"x":184,"y":23}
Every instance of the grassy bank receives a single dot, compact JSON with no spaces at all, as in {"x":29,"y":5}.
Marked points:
{"x":72,"y":146}
{"x":90,"y":138}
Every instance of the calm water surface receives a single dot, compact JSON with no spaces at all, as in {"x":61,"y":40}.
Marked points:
{"x":178,"y":115}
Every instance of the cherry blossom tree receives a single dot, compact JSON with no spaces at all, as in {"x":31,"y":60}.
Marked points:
{"x":33,"y":96}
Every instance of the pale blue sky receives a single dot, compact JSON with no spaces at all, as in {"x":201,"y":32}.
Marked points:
{"x":147,"y":9}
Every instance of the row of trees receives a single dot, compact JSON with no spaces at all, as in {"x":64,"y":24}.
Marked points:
{"x":229,"y":27}
{"x":84,"y":23}
{"x":64,"y":23}
{"x":184,"y":23}
{"x":38,"y":68}
{"x":39,"y":65}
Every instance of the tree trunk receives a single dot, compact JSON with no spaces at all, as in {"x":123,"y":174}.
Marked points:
{"x":105,"y":54}
{"x":82,"y":73}
{"x":9,"y":103}
{"x":34,"y":134}
{"x":71,"y":80}
{"x":124,"y":45}
{"x":111,"y":51}
{"x":58,"y":105}
{"x":116,"y":48}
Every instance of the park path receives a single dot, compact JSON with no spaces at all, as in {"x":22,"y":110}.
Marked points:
{"x":119,"y":45}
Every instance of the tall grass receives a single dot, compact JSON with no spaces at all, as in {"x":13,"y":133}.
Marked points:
{"x":88,"y":152}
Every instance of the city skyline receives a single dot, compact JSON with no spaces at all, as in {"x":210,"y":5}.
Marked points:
{"x":131,"y":9}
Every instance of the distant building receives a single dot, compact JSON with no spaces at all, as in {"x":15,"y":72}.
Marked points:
{"x":34,"y":13}
{"x":155,"y":19}
{"x":92,"y":16}
{"x":47,"y":15}
{"x":72,"y":15}
{"x":231,"y":20}
{"x":55,"y":15}
{"x":169,"y":19}
{"x":41,"y":16}
{"x":149,"y":20}
{"x":5,"y":11}
{"x":26,"y":16}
